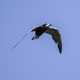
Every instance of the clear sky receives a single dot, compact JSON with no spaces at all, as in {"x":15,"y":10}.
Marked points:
{"x":39,"y":59}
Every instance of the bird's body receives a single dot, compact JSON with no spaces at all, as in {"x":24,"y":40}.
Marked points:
{"x":39,"y":31}
{"x":52,"y":31}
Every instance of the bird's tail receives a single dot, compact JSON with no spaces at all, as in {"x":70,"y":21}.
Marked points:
{"x":60,"y":47}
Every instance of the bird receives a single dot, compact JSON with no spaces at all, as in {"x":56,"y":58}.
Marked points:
{"x":55,"y":34}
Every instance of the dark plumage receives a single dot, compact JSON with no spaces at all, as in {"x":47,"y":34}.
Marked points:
{"x":39,"y":31}
{"x":45,"y":28}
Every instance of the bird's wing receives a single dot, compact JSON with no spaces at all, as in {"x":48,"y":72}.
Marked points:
{"x":20,"y":40}
{"x":56,"y":37}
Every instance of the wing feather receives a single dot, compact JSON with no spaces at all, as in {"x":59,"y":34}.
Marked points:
{"x":56,"y":37}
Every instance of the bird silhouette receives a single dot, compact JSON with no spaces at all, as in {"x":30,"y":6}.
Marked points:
{"x":45,"y":28}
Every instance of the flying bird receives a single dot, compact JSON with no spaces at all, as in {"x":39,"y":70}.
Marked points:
{"x":44,"y":28}
{"x":55,"y":34}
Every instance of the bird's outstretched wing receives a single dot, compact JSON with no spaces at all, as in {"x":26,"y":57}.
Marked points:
{"x":57,"y":38}
{"x":20,"y":40}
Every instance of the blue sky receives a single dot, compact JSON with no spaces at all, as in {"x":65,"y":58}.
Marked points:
{"x":39,"y":59}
